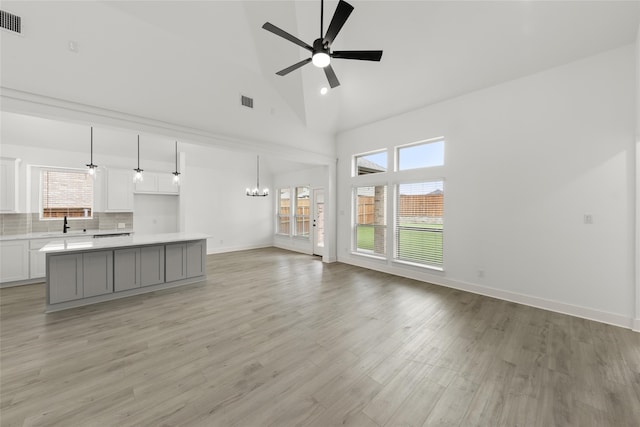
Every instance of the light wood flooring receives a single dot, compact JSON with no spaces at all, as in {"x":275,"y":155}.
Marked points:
{"x":275,"y":338}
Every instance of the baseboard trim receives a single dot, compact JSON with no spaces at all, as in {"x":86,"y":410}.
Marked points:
{"x":530,"y":300}
{"x":22,"y":282}
{"x":292,"y":248}
{"x":222,"y":250}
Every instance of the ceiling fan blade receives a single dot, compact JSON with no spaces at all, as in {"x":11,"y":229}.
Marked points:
{"x":331,"y":76}
{"x":275,"y":30}
{"x":293,"y":67}
{"x":340,"y":16}
{"x":363,"y":55}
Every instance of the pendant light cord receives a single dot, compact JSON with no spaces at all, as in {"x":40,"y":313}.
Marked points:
{"x":138,"y":151}
{"x":92,"y":145}
{"x":258,"y":177}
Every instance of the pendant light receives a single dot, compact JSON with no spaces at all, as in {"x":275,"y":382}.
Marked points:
{"x":176,"y":174}
{"x":138,"y":172}
{"x":256,"y":191}
{"x":91,"y":167}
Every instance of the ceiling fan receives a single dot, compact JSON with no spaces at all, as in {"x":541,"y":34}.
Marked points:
{"x":321,"y":53}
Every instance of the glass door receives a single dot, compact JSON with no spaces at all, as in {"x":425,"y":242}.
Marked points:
{"x":318,"y":221}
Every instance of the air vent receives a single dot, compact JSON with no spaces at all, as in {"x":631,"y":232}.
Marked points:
{"x":246,"y":101}
{"x":10,"y":22}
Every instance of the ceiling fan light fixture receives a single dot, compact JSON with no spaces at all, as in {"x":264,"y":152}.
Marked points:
{"x":321,"y":53}
{"x":323,"y":90}
{"x":321,"y":59}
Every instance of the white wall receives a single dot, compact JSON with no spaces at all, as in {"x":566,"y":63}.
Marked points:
{"x":525,"y":160}
{"x":213,"y":187}
{"x":153,"y":214}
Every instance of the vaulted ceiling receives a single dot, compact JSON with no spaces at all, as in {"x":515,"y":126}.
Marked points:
{"x":187,"y":62}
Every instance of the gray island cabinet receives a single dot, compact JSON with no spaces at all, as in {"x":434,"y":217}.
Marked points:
{"x":97,"y":270}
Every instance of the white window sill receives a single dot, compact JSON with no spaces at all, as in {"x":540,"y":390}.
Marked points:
{"x":370,"y":256}
{"x":415,"y":264}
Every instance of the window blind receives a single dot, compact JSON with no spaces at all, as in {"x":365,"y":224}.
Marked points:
{"x":66,"y":193}
{"x":419,"y":223}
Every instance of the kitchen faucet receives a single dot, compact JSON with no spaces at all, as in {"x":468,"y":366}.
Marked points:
{"x":65,"y":226}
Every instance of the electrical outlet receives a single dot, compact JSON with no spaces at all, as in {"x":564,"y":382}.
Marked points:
{"x":480,"y":274}
{"x":588,"y":219}
{"x":121,"y":225}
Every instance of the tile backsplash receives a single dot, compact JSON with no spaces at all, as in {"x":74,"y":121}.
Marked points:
{"x":31,"y":223}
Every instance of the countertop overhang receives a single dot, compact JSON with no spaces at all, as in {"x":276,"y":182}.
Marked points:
{"x":89,"y":244}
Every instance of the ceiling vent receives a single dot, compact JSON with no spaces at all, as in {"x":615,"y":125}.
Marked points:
{"x":10,"y":22}
{"x":246,"y":101}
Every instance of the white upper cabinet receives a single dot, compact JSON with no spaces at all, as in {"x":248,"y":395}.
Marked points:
{"x":157,"y":183}
{"x":9,"y":184}
{"x":118,"y":190}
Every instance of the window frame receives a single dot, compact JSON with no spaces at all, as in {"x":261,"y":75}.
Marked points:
{"x":396,"y":220}
{"x":297,"y":216}
{"x":397,"y":149}
{"x":354,"y":163}
{"x":279,"y":216}
{"x":354,"y":222}
{"x":47,"y":169}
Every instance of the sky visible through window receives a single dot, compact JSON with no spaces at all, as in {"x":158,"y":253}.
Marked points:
{"x":378,"y":158}
{"x":421,"y":155}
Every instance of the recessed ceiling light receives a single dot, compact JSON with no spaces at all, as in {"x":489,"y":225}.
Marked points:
{"x":324,"y":91}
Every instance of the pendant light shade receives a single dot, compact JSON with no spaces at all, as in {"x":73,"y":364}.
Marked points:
{"x":176,"y":174}
{"x":256,"y":192}
{"x":137,"y":177}
{"x":91,"y":167}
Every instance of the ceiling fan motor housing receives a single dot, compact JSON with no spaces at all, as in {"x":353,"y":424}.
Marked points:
{"x":320,"y":45}
{"x":321,"y":57}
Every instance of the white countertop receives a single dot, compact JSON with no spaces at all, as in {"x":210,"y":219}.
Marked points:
{"x":73,"y":234}
{"x":76,"y":244}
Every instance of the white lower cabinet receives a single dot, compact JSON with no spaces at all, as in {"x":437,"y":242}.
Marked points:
{"x":14,"y":260}
{"x":37,"y":259}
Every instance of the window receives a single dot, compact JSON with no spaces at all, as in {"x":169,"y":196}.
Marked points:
{"x":66,"y":193}
{"x":370,"y":163}
{"x":422,"y":154}
{"x":302,"y":211}
{"x":284,"y":211}
{"x":419,"y":225}
{"x":370,"y":221}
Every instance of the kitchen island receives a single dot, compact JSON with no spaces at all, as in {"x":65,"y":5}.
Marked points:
{"x":92,"y":270}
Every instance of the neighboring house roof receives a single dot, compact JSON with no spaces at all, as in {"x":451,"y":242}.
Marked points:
{"x":367,"y":166}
